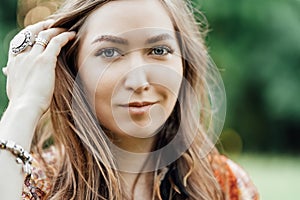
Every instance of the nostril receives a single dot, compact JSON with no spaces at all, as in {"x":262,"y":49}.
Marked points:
{"x":137,"y":80}
{"x":144,"y":87}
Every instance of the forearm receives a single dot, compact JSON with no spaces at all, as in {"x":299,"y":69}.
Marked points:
{"x":30,"y":84}
{"x":18,"y":124}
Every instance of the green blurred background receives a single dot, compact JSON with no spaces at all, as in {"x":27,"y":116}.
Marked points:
{"x":256,"y":44}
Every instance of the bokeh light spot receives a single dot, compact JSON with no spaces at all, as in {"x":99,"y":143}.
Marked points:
{"x":231,"y":141}
{"x":36,"y":14}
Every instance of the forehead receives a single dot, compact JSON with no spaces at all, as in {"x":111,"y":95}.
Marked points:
{"x":121,"y":16}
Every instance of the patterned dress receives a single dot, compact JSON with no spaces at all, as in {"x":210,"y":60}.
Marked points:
{"x":234,"y":181}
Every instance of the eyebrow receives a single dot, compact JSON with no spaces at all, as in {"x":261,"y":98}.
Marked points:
{"x":111,"y":38}
{"x":158,"y":38}
{"x":119,"y":40}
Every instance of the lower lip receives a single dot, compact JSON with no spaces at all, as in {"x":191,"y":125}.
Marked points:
{"x":139,"y":110}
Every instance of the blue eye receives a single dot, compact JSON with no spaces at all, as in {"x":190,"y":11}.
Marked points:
{"x":161,"y":51}
{"x":109,"y":53}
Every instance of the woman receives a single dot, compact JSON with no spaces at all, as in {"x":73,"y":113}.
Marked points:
{"x":114,"y":90}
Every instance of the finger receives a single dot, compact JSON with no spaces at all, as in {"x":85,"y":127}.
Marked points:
{"x":4,"y":71}
{"x":34,"y":29}
{"x":38,"y":27}
{"x":56,"y":43}
{"x":45,"y":35}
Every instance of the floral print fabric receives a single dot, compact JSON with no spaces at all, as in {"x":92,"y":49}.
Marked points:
{"x":234,"y":181}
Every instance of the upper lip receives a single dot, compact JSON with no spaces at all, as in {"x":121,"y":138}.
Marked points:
{"x":139,"y":104}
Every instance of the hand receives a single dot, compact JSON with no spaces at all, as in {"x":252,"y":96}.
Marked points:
{"x":31,"y":73}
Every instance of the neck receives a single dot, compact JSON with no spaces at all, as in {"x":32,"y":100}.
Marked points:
{"x":134,"y":144}
{"x":138,"y":186}
{"x":133,"y":155}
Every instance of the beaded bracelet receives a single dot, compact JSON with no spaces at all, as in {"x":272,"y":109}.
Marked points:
{"x":23,"y":157}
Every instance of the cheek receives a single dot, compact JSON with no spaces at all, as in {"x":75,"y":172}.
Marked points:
{"x":168,"y":77}
{"x":167,"y":80}
{"x":103,"y":95}
{"x":169,"y":97}
{"x":99,"y":84}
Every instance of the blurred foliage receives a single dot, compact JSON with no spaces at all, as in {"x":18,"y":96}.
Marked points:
{"x":275,"y":176}
{"x":255,"y":43}
{"x":15,"y":14}
{"x":7,"y":26}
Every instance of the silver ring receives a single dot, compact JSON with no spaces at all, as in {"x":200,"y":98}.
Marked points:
{"x":41,"y":41}
{"x":21,"y":41}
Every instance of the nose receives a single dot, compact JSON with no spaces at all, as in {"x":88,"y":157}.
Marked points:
{"x":136,"y":79}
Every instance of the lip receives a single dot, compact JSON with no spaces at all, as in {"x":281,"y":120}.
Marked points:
{"x":139,"y":108}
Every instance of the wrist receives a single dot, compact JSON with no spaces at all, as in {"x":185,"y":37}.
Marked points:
{"x":18,"y":123}
{"x":28,"y":107}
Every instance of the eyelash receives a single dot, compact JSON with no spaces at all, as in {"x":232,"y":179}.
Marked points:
{"x":102,"y":52}
{"x":166,"y":50}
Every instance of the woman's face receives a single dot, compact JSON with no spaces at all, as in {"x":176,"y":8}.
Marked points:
{"x":130,"y":65}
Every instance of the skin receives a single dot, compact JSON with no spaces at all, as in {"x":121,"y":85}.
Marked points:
{"x":30,"y":85}
{"x":137,"y":76}
{"x":129,"y":55}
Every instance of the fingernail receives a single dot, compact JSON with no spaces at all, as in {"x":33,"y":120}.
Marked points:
{"x":4,"y":71}
{"x":73,"y":33}
{"x":50,"y":20}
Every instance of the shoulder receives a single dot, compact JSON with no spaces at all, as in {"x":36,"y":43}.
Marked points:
{"x":39,"y":183}
{"x":234,"y":181}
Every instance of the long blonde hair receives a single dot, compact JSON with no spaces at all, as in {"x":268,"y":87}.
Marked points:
{"x":86,"y":169}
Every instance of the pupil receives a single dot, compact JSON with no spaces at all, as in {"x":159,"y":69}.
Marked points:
{"x":109,"y":53}
{"x":158,"y":51}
